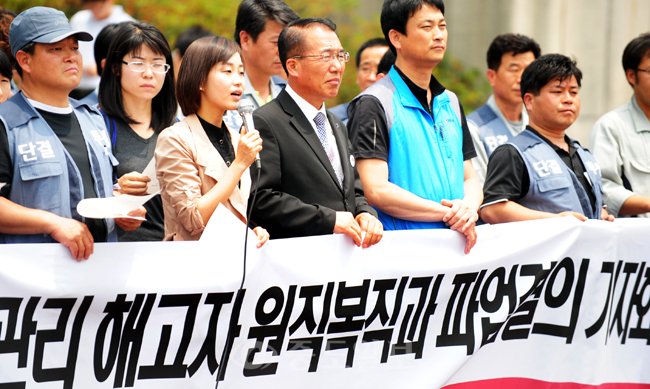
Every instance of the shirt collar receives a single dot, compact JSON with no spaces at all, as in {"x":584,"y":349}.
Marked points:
{"x":309,"y":110}
{"x":419,"y":93}
{"x":641,"y":122}
{"x":249,"y":90}
{"x":492,"y":103}
{"x":555,"y":148}
{"x":50,"y":108}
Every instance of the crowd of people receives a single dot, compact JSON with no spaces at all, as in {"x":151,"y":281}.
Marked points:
{"x":401,"y":155}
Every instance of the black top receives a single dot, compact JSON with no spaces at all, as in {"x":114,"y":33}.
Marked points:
{"x":6,"y":165}
{"x":368,"y":129}
{"x":67,"y":129}
{"x":507,"y":176}
{"x":220,"y":138}
{"x":134,"y":154}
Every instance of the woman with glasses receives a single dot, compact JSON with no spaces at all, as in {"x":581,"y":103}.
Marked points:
{"x":200,"y":162}
{"x":137,"y":99}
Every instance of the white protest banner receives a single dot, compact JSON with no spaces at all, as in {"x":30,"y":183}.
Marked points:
{"x":549,"y":303}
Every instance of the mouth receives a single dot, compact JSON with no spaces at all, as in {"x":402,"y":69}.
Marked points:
{"x":146,"y":86}
{"x":334,"y":81}
{"x":237,"y":94}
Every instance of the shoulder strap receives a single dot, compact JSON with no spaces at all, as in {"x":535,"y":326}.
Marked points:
{"x":111,"y":127}
{"x":482,"y":115}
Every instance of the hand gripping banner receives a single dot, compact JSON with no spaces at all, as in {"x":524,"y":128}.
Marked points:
{"x":553,"y":303}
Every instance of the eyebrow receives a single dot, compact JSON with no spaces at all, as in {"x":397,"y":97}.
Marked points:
{"x":155,"y":58}
{"x":433,"y":20}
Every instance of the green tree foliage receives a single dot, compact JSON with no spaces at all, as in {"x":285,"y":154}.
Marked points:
{"x":174,"y":16}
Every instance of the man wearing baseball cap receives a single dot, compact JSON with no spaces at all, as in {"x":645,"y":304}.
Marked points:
{"x":54,"y":151}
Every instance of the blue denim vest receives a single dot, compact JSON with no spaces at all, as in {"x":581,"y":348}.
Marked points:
{"x":45,"y":177}
{"x":553,"y":186}
{"x":425,"y":157}
{"x":491,"y":128}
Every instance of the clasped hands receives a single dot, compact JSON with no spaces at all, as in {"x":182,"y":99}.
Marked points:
{"x":355,"y":227}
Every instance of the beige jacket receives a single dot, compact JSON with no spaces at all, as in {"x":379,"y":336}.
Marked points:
{"x":188,"y":166}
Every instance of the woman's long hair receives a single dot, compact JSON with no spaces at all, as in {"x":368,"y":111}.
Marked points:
{"x":129,"y":38}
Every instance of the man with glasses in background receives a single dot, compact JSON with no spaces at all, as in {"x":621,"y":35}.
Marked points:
{"x":620,"y":139}
{"x":308,"y":183}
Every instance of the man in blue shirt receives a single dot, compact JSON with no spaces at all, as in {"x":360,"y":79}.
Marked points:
{"x":409,"y":134}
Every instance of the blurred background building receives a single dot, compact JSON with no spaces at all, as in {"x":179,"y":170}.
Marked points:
{"x":594,"y":32}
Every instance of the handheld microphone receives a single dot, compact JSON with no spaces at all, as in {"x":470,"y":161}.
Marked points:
{"x":245,"y":109}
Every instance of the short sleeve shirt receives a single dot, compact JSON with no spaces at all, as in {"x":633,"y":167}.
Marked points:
{"x":369,"y":131}
{"x":507,"y":177}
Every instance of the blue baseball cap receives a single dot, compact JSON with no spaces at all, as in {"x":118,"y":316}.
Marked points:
{"x":41,"y":25}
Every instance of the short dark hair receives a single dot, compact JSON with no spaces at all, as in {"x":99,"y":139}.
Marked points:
{"x":252,"y":16}
{"x":129,"y":38}
{"x":634,"y":52}
{"x":291,"y":39}
{"x":187,"y":37}
{"x":29,"y":49}
{"x":545,"y":69}
{"x":387,"y":61}
{"x":396,"y":13}
{"x":102,"y":43}
{"x":375,"y":42}
{"x":199,"y":59}
{"x":510,"y":43}
{"x":5,"y":66}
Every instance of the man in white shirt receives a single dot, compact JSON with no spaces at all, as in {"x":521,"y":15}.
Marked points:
{"x":620,"y":139}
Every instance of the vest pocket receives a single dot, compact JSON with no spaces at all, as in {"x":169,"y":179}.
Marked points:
{"x":553,"y":183}
{"x":40,"y":170}
{"x":41,"y":185}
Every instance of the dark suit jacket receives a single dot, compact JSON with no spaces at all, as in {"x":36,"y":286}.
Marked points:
{"x":298,"y":193}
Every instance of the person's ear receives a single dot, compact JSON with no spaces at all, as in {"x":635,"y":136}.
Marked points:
{"x":24,"y":60}
{"x":293,"y":67}
{"x":631,"y":76}
{"x":492,"y":77}
{"x":394,"y":37}
{"x":380,"y":76}
{"x":245,"y":40}
{"x":528,"y":101}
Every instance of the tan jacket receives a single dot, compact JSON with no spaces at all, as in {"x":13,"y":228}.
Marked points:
{"x":188,"y":166}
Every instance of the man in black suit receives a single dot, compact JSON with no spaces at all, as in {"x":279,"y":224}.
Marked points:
{"x":309,"y":184}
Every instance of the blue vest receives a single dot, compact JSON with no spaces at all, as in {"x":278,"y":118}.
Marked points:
{"x":45,"y":176}
{"x":492,"y":130}
{"x":553,"y":186}
{"x":425,"y":156}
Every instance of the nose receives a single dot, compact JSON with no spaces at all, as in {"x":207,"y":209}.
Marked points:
{"x":568,"y":98}
{"x":336,"y":65}
{"x":148,"y":72}
{"x":239,"y":80}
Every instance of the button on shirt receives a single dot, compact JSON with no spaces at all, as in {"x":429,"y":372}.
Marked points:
{"x":310,"y":112}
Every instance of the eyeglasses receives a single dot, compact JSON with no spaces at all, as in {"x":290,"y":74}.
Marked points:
{"x":160,"y":68}
{"x":342,"y":56}
{"x":644,"y":70}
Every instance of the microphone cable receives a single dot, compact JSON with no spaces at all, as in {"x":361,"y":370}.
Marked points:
{"x":229,"y":340}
